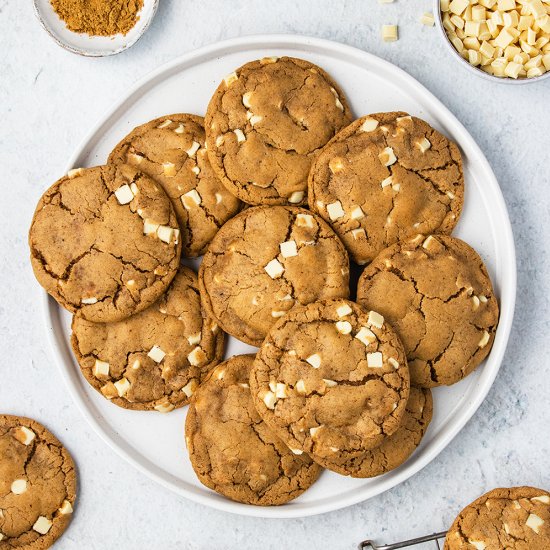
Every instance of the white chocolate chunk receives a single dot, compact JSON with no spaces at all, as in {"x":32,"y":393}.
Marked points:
{"x":196,"y":357}
{"x":165,"y":233}
{"x":343,"y":327}
{"x":219,"y":141}
{"x":374,"y":360}
{"x":165,"y":407}
{"x":393,"y":362}
{"x":343,"y":310}
{"x":89,"y":301}
{"x":545,"y":499}
{"x":244,"y":385}
{"x":314,"y":430}
{"x":386,"y":182}
{"x":101,"y":368}
{"x":122,"y":386}
{"x":66,"y":508}
{"x":375,"y":319}
{"x":296,"y":451}
{"x":19,"y":486}
{"x":180,"y":129}
{"x":219,"y":198}
{"x":274,"y":269}
{"x":335,"y":210}
{"x":314,"y":360}
{"x":169,"y":169}
{"x":194,"y":339}
{"x":477,"y":544}
{"x":358,"y":234}
{"x":240,"y":135}
{"x":124,"y":194}
{"x":387,"y":157}
{"x":230,"y":78}
{"x":484,"y":339}
{"x":246,"y":100}
{"x":75,"y":172}
{"x":366,"y":336}
{"x":192,"y":151}
{"x":269,"y":399}
{"x":254,"y":119}
{"x":150,"y":227}
{"x":156,"y":354}
{"x":136,"y":364}
{"x":369,"y":125}
{"x":42,"y":525}
{"x":475,"y":299}
{"x":534,"y":522}
{"x":389,"y":33}
{"x":288,"y":249}
{"x":458,"y":6}
{"x":192,"y":385}
{"x":423,"y":145}
{"x":300,"y":386}
{"x":191,"y":199}
{"x":268,"y":60}
{"x":357,"y":213}
{"x":277,"y":313}
{"x":336,"y":165}
{"x":304,"y":220}
{"x":428,"y":19}
{"x":296,"y":197}
{"x":24,"y":435}
{"x":196,"y":170}
{"x":280,"y":391}
{"x":164,"y":124}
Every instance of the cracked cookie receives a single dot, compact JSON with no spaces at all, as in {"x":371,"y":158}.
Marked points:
{"x":265,"y":124}
{"x":153,"y":360}
{"x":264,"y":261}
{"x":37,"y":485}
{"x":233,"y":451}
{"x":442,"y":305}
{"x":516,"y":519}
{"x":396,"y":448}
{"x":171,"y":150}
{"x":105,"y":242}
{"x":331,"y":380}
{"x":386,"y":178}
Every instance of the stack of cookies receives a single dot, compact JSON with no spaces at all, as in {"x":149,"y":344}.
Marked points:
{"x":276,"y":188}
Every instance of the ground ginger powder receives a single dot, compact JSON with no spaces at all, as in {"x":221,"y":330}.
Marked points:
{"x":98,"y":17}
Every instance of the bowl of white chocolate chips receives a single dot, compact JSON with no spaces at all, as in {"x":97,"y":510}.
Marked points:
{"x":504,"y":40}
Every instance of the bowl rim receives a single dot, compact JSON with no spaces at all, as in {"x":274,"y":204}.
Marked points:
{"x":88,"y":53}
{"x":472,"y":68}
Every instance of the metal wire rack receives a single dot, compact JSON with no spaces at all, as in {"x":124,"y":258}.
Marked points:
{"x":436,"y":538}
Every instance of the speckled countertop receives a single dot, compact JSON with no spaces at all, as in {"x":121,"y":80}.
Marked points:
{"x":49,"y":99}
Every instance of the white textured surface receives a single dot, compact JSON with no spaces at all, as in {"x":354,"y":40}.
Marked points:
{"x":48,"y":100}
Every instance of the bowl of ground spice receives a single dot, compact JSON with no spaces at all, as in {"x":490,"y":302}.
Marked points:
{"x":95,"y":28}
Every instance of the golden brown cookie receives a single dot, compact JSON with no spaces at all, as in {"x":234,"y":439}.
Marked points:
{"x":331,"y":379}
{"x":442,"y":305}
{"x":171,"y":150}
{"x":266,"y":260}
{"x":265,"y":124}
{"x":105,"y":242}
{"x":386,"y":178}
{"x":37,"y":485}
{"x":155,"y":359}
{"x":233,"y":451}
{"x":514,"y":519}
{"x":396,"y":448}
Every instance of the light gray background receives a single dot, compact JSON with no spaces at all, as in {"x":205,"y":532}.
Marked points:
{"x":48,"y":101}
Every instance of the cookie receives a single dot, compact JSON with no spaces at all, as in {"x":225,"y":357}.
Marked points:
{"x":233,"y":451}
{"x":155,"y":359}
{"x":331,"y":380}
{"x":37,"y":485}
{"x":442,"y":305}
{"x":395,"y":449}
{"x":263,"y":262}
{"x":171,"y":150}
{"x":265,"y":124}
{"x":386,"y":178}
{"x":105,"y":242}
{"x":515,"y":519}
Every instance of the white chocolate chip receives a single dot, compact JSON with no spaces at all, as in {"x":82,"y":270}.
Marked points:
{"x":475,"y":299}
{"x":393,"y":362}
{"x":124,"y":194}
{"x":484,"y":339}
{"x":269,"y":399}
{"x":164,"y":124}
{"x":375,"y":319}
{"x":180,"y":129}
{"x":42,"y":525}
{"x":314,"y":360}
{"x":122,"y":386}
{"x":357,"y":213}
{"x":428,"y":19}
{"x":338,"y":102}
{"x":374,"y":360}
{"x":240,"y":135}
{"x":389,"y":33}
{"x":366,"y":336}
{"x":387,"y":182}
{"x":150,"y":227}
{"x":75,"y":172}
{"x":369,"y":125}
{"x":273,"y":386}
{"x":300,"y":386}
{"x":230,"y":78}
{"x":280,"y":391}
{"x":288,"y":249}
{"x":136,"y":364}
{"x":192,"y":385}
{"x":89,"y":301}
{"x":254,"y":119}
{"x":219,"y":198}
{"x":274,"y":269}
{"x":482,"y":299}
{"x":169,"y":169}
{"x":545,"y":499}
{"x":343,"y":327}
{"x":24,"y":435}
{"x":343,"y":310}
{"x":66,"y":508}
{"x":19,"y":486}
{"x":166,"y":233}
{"x":534,"y":522}
{"x":101,"y":368}
{"x":196,"y":170}
{"x":277,"y":313}
{"x":246,"y":100}
{"x":192,"y":151}
{"x":219,"y":141}
{"x":387,"y":157}
{"x":194,"y":339}
{"x":304,"y":220}
{"x":165,"y":407}
{"x":358,"y":234}
{"x":156,"y":354}
{"x":424,"y":144}
{"x":296,"y":197}
{"x":335,"y":210}
{"x":296,"y":451}
{"x":330,"y":383}
{"x":477,"y":544}
{"x":191,"y":199}
{"x":196,"y":357}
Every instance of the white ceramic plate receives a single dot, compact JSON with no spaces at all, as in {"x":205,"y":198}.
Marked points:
{"x":154,"y":443}
{"x":92,"y":46}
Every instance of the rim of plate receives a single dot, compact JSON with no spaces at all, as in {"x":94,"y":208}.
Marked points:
{"x":506,"y":262}
{"x":91,"y":53}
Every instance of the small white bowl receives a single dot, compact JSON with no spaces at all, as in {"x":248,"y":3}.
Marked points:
{"x":470,"y":67}
{"x":92,"y":46}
